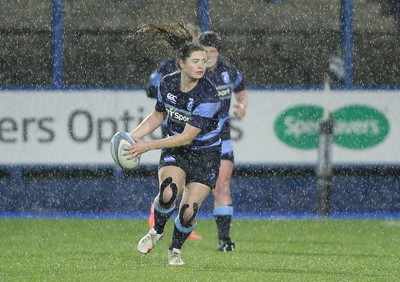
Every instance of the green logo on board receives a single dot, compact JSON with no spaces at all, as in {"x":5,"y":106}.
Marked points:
{"x":298,"y":127}
{"x":359,"y":127}
{"x":356,"y":126}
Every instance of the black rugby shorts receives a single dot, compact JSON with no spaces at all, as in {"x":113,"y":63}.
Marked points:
{"x":199,"y":165}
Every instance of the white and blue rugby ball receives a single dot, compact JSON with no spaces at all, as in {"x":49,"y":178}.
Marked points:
{"x":118,"y":142}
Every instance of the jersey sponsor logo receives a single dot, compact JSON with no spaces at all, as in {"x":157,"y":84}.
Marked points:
{"x":177,"y":116}
{"x":225,"y":77}
{"x":224,"y":92}
{"x":171,"y":97}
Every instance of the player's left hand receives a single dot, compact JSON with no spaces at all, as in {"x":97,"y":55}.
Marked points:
{"x":239,"y":110}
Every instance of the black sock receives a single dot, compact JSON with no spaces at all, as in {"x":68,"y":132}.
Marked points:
{"x":178,"y":239}
{"x":223,"y":226}
{"x":160,"y":219}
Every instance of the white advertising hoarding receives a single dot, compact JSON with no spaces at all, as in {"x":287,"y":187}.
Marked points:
{"x":281,"y":127}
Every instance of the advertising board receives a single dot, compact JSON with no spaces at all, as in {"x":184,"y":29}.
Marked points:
{"x":281,"y":127}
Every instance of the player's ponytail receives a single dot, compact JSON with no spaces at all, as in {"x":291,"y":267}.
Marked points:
{"x":178,"y":35}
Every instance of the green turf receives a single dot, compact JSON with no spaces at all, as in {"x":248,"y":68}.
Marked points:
{"x":267,"y":250}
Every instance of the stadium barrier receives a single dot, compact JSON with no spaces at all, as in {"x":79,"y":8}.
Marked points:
{"x":256,"y":189}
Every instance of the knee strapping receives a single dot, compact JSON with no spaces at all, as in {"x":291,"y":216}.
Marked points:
{"x":188,"y":223}
{"x":167,"y":182}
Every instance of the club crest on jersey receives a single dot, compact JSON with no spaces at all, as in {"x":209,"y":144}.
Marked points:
{"x":190,"y":104}
{"x":171,"y":97}
{"x":225,"y":77}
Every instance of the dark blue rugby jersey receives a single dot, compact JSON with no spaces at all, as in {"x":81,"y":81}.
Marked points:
{"x":200,"y":107}
{"x":166,"y":67}
{"x":227,"y":79}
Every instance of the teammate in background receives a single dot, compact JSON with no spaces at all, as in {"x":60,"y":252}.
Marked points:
{"x":228,"y":81}
{"x":166,"y":67}
{"x":190,"y":157}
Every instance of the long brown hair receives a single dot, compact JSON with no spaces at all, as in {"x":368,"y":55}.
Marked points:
{"x":178,"y":35}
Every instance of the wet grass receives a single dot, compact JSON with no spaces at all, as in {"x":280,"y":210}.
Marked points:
{"x":267,"y":250}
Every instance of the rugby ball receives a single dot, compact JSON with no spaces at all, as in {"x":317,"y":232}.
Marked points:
{"x":118,"y":142}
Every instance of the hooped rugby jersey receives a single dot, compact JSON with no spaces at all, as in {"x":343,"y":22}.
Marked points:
{"x":228,"y":80}
{"x":200,"y":107}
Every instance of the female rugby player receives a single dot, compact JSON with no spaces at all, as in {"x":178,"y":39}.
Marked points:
{"x":229,"y":82}
{"x":190,"y":155}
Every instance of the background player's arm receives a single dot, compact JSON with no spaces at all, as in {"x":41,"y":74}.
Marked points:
{"x":154,"y":81}
{"x":241,"y":105}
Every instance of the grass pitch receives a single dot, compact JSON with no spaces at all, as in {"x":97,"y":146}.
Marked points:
{"x":267,"y":250}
